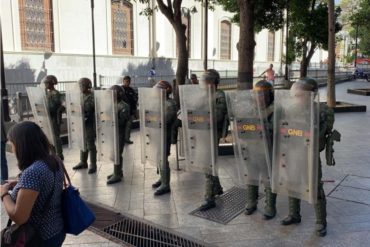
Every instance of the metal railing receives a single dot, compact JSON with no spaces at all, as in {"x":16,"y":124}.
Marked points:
{"x":136,"y":81}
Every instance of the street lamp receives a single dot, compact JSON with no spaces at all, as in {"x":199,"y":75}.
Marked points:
{"x":205,"y":62}
{"x":4,"y":92}
{"x":287,"y":42}
{"x":93,"y":43}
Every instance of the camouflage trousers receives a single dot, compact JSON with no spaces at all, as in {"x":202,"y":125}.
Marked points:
{"x":213,"y":187}
{"x":320,"y":206}
{"x":56,"y":131}
{"x":90,"y":147}
{"x":270,"y":198}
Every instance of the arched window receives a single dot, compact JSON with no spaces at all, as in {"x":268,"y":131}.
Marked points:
{"x":36,"y":25}
{"x":271,"y":46}
{"x":225,"y":40}
{"x":122,"y":28}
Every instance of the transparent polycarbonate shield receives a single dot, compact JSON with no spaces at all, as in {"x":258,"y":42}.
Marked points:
{"x":152,"y":126}
{"x":37,"y":98}
{"x":252,"y":137}
{"x":106,"y":126}
{"x":75,"y":120}
{"x":199,"y":128}
{"x":296,"y":142}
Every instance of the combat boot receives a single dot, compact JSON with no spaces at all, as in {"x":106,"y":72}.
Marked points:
{"x":270,"y":206}
{"x":83,"y":161}
{"x":320,"y":210}
{"x":116,"y":176}
{"x":210,"y":196}
{"x":218,"y":190}
{"x":252,"y":197}
{"x":157,"y":184}
{"x":208,"y":204}
{"x":92,"y":168}
{"x":294,"y":216}
{"x":165,"y":183}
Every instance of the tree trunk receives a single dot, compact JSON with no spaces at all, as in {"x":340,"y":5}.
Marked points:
{"x":306,"y":59}
{"x":331,"y":66}
{"x":246,"y":44}
{"x":182,"y":60}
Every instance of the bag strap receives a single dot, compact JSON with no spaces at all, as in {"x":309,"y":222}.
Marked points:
{"x":66,"y":176}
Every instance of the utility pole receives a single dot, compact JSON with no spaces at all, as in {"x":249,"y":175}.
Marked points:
{"x":4,"y":92}
{"x":287,"y":42}
{"x":205,"y":62}
{"x":93,"y":43}
{"x":356,"y":44}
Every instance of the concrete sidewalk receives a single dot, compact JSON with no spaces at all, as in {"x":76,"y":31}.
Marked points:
{"x":348,"y":222}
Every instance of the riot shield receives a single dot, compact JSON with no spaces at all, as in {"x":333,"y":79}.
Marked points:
{"x":152,"y":126}
{"x":37,"y":98}
{"x":252,"y":137}
{"x":296,"y":142}
{"x":199,"y":128}
{"x":75,"y":119}
{"x":106,"y":126}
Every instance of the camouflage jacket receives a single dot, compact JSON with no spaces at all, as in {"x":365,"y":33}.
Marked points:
{"x":221,"y":114}
{"x":89,"y":109}
{"x":171,"y":121}
{"x":326,"y":124}
{"x":54,"y":102}
{"x":123,"y":111}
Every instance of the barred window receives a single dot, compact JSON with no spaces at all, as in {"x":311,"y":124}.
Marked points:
{"x":122,"y":28}
{"x":36,"y":23}
{"x":271,"y":46}
{"x":225,"y":49}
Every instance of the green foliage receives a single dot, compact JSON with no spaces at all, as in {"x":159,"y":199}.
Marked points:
{"x":269,"y":14}
{"x":362,"y":19}
{"x":309,"y":23}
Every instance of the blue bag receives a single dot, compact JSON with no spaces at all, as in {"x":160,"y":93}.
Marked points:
{"x":77,"y":215}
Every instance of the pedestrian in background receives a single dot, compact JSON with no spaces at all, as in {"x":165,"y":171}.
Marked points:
{"x":270,"y":74}
{"x":131,"y":98}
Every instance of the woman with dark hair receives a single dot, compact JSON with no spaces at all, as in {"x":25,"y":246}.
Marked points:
{"x":36,"y":198}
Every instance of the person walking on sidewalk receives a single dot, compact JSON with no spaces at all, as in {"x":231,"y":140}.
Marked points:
{"x":270,"y":74}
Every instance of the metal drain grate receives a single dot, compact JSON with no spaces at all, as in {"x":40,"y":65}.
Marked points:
{"x":141,"y":234}
{"x":136,"y":232}
{"x":229,"y":205}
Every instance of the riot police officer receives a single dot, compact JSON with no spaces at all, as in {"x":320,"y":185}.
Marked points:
{"x":213,"y":185}
{"x":89,"y":114}
{"x":326,"y":123}
{"x":56,"y":109}
{"x":264,"y":91}
{"x":163,"y":184}
{"x":123,"y":115}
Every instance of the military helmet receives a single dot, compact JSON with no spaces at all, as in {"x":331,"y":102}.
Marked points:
{"x":85,"y":82}
{"x":120,"y":92}
{"x":211,"y":75}
{"x":305,"y":84}
{"x":50,"y":79}
{"x":262,"y":85}
{"x":164,"y":85}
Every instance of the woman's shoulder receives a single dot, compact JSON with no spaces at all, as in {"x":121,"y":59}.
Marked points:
{"x":38,"y":168}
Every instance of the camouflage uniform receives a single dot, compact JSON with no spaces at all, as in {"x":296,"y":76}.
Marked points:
{"x":252,"y":190}
{"x":326,"y":123}
{"x":123,"y":112}
{"x":213,"y":185}
{"x":55,"y":108}
{"x":165,"y":173}
{"x":89,"y":113}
